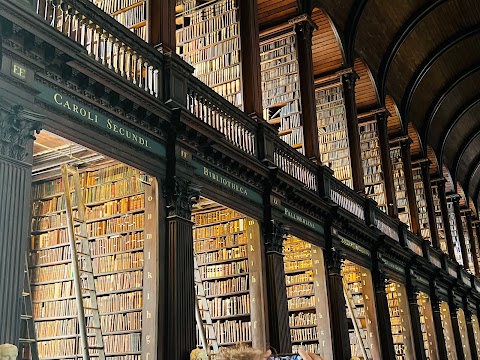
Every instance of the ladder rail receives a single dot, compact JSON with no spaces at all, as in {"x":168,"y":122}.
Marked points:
{"x":207,"y":322}
{"x":31,"y":338}
{"x":354,"y":320}
{"x":76,"y":271}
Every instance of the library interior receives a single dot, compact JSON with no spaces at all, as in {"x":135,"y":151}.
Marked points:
{"x":198,"y":174}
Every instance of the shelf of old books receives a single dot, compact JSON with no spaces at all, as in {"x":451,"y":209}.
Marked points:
{"x":372,"y":163}
{"x":130,"y":13}
{"x":448,"y":331}
{"x":476,"y":332}
{"x":400,"y":321}
{"x":421,"y":200}
{"x":427,"y":326}
{"x":454,"y":231}
{"x":229,"y":291}
{"x":307,"y":296}
{"x":281,"y":86}
{"x":400,"y":185}
{"x":208,"y":38}
{"x":476,"y":243}
{"x":440,"y":227}
{"x":333,"y":132}
{"x":115,"y":202}
{"x":462,"y":327}
{"x":468,"y":245}
{"x":360,"y":307}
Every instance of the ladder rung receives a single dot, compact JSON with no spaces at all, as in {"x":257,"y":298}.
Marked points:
{"x":93,"y":327}
{"x":25,"y":294}
{"x":96,"y":347}
{"x":27,"y":340}
{"x":26,"y":317}
{"x":90,"y":308}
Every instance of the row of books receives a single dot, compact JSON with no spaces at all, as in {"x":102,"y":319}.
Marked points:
{"x":231,"y":227}
{"x":215,"y":243}
{"x":299,"y":278}
{"x":304,"y":334}
{"x":121,"y":322}
{"x":215,"y":216}
{"x":57,"y":203}
{"x":420,"y":198}
{"x":132,"y":16}
{"x":122,"y":188}
{"x":300,"y":254}
{"x":120,"y":302}
{"x":300,"y":290}
{"x":116,"y":207}
{"x":120,"y":281}
{"x":302,"y":319}
{"x":338,"y":149}
{"x":232,"y":268}
{"x":122,"y":243}
{"x":298,"y":265}
{"x":111,"y":6}
{"x":454,"y":232}
{"x":230,"y":332}
{"x":300,"y":303}
{"x":400,"y":185}
{"x":395,"y":309}
{"x":223,"y":254}
{"x":468,"y":244}
{"x":220,"y":287}
{"x":110,"y":173}
{"x":127,"y":222}
{"x":197,"y":23}
{"x":122,"y":261}
{"x":235,"y":305}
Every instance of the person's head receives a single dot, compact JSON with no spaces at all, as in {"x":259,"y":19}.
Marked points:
{"x":242,"y":352}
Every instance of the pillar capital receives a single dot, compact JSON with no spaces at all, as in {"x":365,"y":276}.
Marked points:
{"x":275,"y":236}
{"x":334,"y":260}
{"x":16,"y":130}
{"x":180,"y":195}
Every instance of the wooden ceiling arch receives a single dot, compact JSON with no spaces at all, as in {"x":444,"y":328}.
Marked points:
{"x":432,"y":157}
{"x":416,"y":148}
{"x":471,"y":205}
{"x":449,"y":184}
{"x":394,"y":121}
{"x":366,"y":93}
{"x":327,"y":50}
{"x":463,"y":198}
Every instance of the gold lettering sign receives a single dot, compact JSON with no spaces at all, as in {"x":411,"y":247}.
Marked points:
{"x":18,"y":71}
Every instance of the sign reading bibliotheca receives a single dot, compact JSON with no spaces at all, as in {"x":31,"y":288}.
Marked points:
{"x":226,"y":182}
{"x":86,"y":114}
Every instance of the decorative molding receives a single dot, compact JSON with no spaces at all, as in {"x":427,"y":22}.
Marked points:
{"x":180,"y":195}
{"x":274,"y":240}
{"x":16,"y":130}
{"x":334,"y":260}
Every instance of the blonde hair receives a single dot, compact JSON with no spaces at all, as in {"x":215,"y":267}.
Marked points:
{"x":239,"y":352}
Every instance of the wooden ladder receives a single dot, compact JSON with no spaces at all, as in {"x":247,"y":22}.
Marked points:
{"x":28,"y":341}
{"x":91,"y":339}
{"x":202,"y":314}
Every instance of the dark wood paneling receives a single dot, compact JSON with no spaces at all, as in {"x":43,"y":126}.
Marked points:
{"x":365,"y":90}
{"x":326,"y":49}
{"x":387,"y":20}
{"x":15,"y":185}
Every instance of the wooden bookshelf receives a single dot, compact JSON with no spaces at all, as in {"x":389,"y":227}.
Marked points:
{"x":476,"y":244}
{"x":208,"y":38}
{"x":281,"y":87}
{"x":427,"y":326}
{"x":359,"y":290}
{"x":421,"y":200}
{"x":440,"y":227}
{"x":226,"y":257}
{"x":476,"y":332}
{"x":468,"y":244}
{"x":130,"y":13}
{"x":400,"y":185}
{"x":400,"y":321}
{"x":448,"y":330}
{"x":462,"y":327}
{"x":372,"y":163}
{"x":333,"y":132}
{"x":454,"y":231}
{"x":116,"y":228}
{"x":300,"y":281}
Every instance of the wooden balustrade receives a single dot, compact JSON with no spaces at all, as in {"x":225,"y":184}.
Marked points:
{"x":386,"y":225}
{"x":346,"y":198}
{"x":105,"y":40}
{"x":414,"y":243}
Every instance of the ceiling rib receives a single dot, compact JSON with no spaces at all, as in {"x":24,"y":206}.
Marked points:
{"x":351,"y":30}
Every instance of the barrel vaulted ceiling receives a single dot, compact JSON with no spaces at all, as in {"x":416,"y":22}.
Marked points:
{"x":421,"y":57}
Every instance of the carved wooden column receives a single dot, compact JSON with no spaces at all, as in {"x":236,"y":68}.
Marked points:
{"x":383,"y":313}
{"x":471,"y":334}
{"x":437,"y":321}
{"x":381,"y":118}
{"x":408,"y":173}
{"x":278,"y":323}
{"x":16,"y":146}
{"x":446,"y":221}
{"x":461,"y":235}
{"x":425,"y":166}
{"x":304,"y":27}
{"x":251,"y":75}
{"x":473,"y":245}
{"x":348,"y":82}
{"x":338,"y":316}
{"x":180,"y":295}
{"x":417,"y":334}
{"x":456,"y":330}
{"x":161,"y":22}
